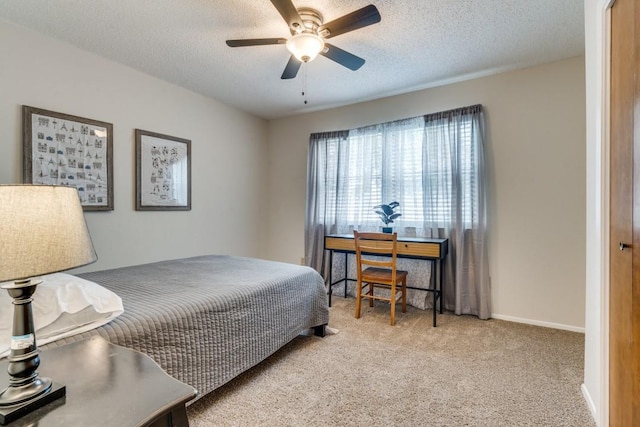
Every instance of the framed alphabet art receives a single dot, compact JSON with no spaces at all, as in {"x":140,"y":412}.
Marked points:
{"x":61,"y":149}
{"x":163,"y":172}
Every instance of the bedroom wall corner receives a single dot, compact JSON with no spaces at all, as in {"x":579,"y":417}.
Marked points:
{"x":536,"y":155}
{"x":228,"y":150}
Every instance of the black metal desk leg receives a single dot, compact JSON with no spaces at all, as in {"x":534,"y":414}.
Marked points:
{"x":346,"y":272}
{"x":330,"y":275}
{"x":436,"y":293}
{"x":435,"y":308}
{"x":440,"y":274}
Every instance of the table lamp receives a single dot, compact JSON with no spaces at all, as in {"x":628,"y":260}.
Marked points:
{"x":42,"y":231}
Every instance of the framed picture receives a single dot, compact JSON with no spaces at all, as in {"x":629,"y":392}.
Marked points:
{"x":163,"y":172}
{"x":61,"y":149}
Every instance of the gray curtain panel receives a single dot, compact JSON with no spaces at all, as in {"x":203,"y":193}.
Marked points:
{"x":320,"y":209}
{"x":455,"y":205}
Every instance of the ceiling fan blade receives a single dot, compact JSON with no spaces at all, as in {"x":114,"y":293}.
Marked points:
{"x":342,"y":57}
{"x":291,"y":70}
{"x":254,"y":42}
{"x":289,"y":13}
{"x":368,"y":15}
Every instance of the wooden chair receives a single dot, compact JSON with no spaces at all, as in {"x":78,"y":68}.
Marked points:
{"x":379,"y":272}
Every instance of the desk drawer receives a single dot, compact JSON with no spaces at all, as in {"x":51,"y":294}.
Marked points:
{"x":431,"y":250}
{"x":339,"y":244}
{"x":414,"y":249}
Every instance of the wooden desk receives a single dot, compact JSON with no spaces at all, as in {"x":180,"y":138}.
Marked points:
{"x":434,"y":250}
{"x":107,"y":385}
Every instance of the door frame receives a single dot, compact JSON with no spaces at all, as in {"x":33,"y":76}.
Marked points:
{"x":606,"y":140}
{"x":601,"y":194}
{"x":606,"y":195}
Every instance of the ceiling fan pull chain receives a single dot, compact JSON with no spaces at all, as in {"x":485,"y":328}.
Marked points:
{"x":304,"y":83}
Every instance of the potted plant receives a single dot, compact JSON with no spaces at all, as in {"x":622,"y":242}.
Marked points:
{"x":387,"y":215}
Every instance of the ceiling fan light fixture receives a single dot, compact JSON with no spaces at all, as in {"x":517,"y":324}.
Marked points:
{"x":308,"y":34}
{"x":305,"y":46}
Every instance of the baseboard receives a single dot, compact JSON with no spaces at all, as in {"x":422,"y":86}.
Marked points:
{"x":590,"y":404}
{"x":538,"y":323}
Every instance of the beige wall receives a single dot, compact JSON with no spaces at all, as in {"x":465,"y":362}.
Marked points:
{"x":228,"y":146}
{"x":536,"y":160}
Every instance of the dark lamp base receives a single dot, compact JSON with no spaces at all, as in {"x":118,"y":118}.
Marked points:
{"x":13,"y":412}
{"x":16,"y":394}
{"x":27,"y":391}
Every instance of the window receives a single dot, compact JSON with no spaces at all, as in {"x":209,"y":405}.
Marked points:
{"x":414,"y":162}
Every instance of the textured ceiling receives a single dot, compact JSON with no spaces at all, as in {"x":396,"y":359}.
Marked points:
{"x":417,"y":44}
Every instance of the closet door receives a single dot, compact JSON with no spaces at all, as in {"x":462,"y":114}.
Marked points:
{"x":624,"y":321}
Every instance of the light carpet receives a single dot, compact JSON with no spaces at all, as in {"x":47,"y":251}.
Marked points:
{"x":465,"y":372}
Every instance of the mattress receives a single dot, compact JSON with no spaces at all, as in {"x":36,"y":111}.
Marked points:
{"x":206,"y":319}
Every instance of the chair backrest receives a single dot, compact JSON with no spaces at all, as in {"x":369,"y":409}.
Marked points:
{"x":376,"y":244}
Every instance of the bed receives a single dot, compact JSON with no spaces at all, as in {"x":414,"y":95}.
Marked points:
{"x":207,"y":319}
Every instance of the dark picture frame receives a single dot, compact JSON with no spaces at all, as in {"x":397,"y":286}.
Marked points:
{"x":163,"y":172}
{"x":62,"y":149}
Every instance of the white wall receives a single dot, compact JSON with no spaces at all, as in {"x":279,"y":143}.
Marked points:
{"x":596,"y":363}
{"x":536,"y":157}
{"x":228,"y":148}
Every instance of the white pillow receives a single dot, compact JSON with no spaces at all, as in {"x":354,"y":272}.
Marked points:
{"x":63,"y":305}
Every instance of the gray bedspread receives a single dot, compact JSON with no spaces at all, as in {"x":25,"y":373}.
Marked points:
{"x":207,"y":319}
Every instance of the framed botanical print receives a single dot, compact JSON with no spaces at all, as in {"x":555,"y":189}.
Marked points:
{"x":163,"y":172}
{"x":61,"y":149}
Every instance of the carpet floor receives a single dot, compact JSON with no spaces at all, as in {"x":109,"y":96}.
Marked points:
{"x":465,"y":372}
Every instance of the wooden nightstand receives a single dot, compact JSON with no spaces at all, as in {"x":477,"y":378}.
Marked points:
{"x":107,"y":385}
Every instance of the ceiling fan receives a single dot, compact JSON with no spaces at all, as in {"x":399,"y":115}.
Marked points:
{"x":309,"y":34}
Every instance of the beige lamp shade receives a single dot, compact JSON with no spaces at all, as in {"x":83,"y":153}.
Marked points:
{"x":42,"y":231}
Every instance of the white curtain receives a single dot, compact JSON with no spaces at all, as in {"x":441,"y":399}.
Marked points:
{"x":433,"y":166}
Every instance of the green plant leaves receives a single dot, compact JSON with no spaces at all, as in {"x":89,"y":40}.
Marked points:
{"x":385,"y":212}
